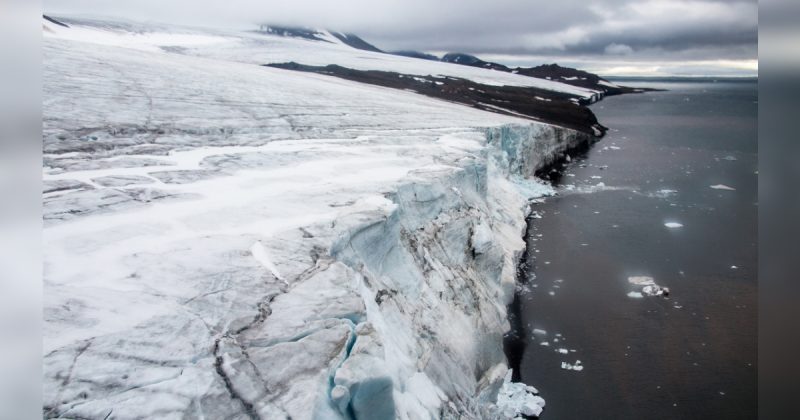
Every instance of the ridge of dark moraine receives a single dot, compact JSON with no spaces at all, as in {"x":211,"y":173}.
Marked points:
{"x":542,"y":105}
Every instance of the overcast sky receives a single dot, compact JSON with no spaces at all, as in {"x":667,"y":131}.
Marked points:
{"x":623,"y":37}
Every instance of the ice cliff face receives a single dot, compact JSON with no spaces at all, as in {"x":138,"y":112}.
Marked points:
{"x":435,"y":275}
{"x":227,"y":241}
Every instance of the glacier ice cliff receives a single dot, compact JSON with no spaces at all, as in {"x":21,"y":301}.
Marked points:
{"x":224,"y":240}
{"x":394,"y":312}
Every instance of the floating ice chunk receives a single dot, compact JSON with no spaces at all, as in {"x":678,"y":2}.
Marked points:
{"x":562,"y":350}
{"x":673,"y":225}
{"x":663,"y":193}
{"x":733,"y":267}
{"x":551,"y":293}
{"x":517,"y":399}
{"x":730,"y":158}
{"x":655,"y":290}
{"x":539,"y":331}
{"x":544,"y":343}
{"x":649,"y":287}
{"x":596,"y":177}
{"x":577,"y":366}
{"x":641,"y":280}
{"x":722,"y":187}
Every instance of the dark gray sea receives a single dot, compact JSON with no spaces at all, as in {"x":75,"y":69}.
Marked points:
{"x":693,"y":354}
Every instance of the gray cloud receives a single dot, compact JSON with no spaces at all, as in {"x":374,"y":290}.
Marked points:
{"x":650,"y":29}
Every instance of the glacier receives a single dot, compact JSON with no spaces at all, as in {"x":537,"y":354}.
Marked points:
{"x":225,"y":240}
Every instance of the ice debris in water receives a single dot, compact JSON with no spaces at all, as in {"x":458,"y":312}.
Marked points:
{"x":649,"y":287}
{"x":722,"y":187}
{"x":517,"y":399}
{"x":641,"y":280}
{"x":673,"y":225}
{"x":577,"y":366}
{"x":663,"y":193}
{"x":562,"y":350}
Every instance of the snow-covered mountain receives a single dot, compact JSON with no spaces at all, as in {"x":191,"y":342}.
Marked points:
{"x":228,"y":240}
{"x":349,"y":39}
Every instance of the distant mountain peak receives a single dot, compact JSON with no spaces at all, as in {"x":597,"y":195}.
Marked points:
{"x":349,"y":39}
{"x":415,"y":54}
{"x":471,"y":60}
{"x":54,"y":21}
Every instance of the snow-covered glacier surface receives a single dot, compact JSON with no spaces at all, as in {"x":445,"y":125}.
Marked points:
{"x":261,"y":48}
{"x":224,"y":240}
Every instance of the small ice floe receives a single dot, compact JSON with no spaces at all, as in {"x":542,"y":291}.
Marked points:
{"x":721,"y":187}
{"x":562,"y":350}
{"x":577,"y":366}
{"x":673,"y":225}
{"x":516,"y":399}
{"x":649,"y":287}
{"x":733,"y":267}
{"x":641,"y":280}
{"x":730,"y":158}
{"x":663,"y":193}
{"x":536,"y":215}
{"x":596,"y":177}
{"x":551,"y":293}
{"x":544,"y":343}
{"x":539,"y":331}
